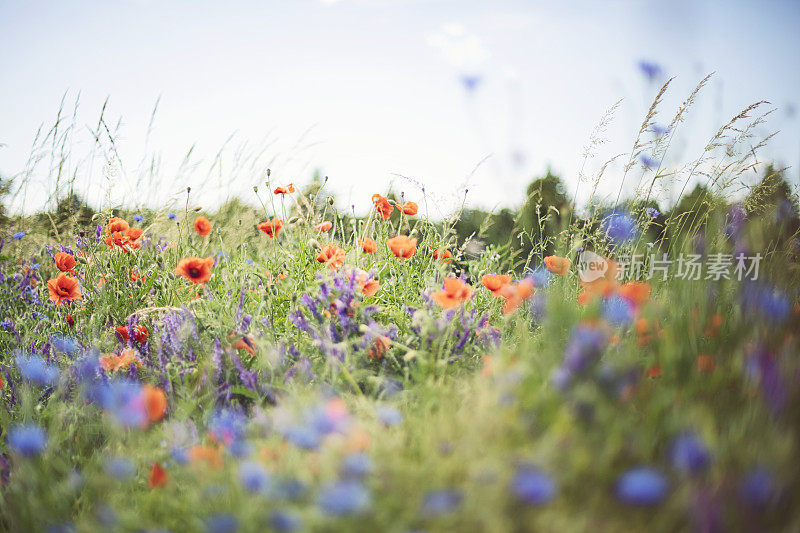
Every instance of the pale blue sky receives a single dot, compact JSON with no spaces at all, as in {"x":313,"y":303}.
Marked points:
{"x":368,"y":89}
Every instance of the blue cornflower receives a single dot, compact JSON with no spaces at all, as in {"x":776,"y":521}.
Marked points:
{"x":441,"y":501}
{"x":660,"y":130}
{"x":120,"y":467}
{"x":138,"y":218}
{"x":533,"y":486}
{"x":18,"y":235}
{"x":761,"y":300}
{"x":290,"y":489}
{"x":34,"y":369}
{"x":28,"y":440}
{"x":124,"y":400}
{"x":688,"y":454}
{"x":285,"y":521}
{"x":585,"y":346}
{"x":346,"y":497}
{"x":253,"y":476}
{"x":470,"y":81}
{"x":618,"y":311}
{"x":228,"y":426}
{"x":388,"y":415}
{"x":641,"y":486}
{"x":757,"y":488}
{"x":540,"y":277}
{"x":619,"y":227}
{"x":64,"y":344}
{"x":172,"y":216}
{"x":652,"y":212}
{"x":222,"y":523}
{"x":356,"y":465}
{"x":649,"y":162}
{"x":179,"y":455}
{"x":305,"y":437}
{"x":650,"y":69}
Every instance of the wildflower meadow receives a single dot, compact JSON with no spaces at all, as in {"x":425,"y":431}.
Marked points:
{"x":279,"y":364}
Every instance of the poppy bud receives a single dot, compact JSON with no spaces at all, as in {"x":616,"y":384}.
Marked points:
{"x":294,"y":220}
{"x":330,"y":200}
{"x":269,"y":172}
{"x":198,"y":208}
{"x":255,"y":188}
{"x":188,"y":189}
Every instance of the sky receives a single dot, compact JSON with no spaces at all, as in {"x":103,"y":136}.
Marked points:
{"x":468,"y":100}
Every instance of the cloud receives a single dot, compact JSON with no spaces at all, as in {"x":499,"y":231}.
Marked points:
{"x":459,"y":47}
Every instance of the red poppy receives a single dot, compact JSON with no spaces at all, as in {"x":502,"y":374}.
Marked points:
{"x":367,"y":245}
{"x":324,"y":226}
{"x":495,"y":282}
{"x":379,"y":348}
{"x":368,"y":286}
{"x":246,"y":343}
{"x":116,"y":225}
{"x":441,"y":253}
{"x":271,"y":227}
{"x":383,"y":206}
{"x":122,"y":331}
{"x":64,"y":288}
{"x":155,"y":403}
{"x":654,"y":371}
{"x":409,"y":208}
{"x":70,"y":320}
{"x":515,"y":294}
{"x":331,"y":255}
{"x":64,"y":262}
{"x":557,"y":265}
{"x":285,"y":190}
{"x":158,"y":476}
{"x":705,"y":364}
{"x":202,"y":226}
{"x":140,"y":333}
{"x":455,"y":292}
{"x":133,"y":233}
{"x":113,"y":362}
{"x":637,"y":292}
{"x":195,"y":269}
{"x":402,"y":246}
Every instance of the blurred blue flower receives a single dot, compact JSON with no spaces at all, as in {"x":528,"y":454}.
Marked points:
{"x":18,"y":235}
{"x":763,"y":301}
{"x":641,"y":486}
{"x":618,"y":311}
{"x":179,"y":455}
{"x":123,"y":400}
{"x":561,"y":378}
{"x":652,"y":212}
{"x":649,"y":162}
{"x":356,"y":466}
{"x":441,"y":501}
{"x":64,"y":344}
{"x":34,"y":369}
{"x":305,"y":437}
{"x":222,"y":523}
{"x":757,"y":488}
{"x":619,"y":227}
{"x":660,"y":130}
{"x":290,"y":489}
{"x":285,"y":521}
{"x":540,"y":277}
{"x":120,"y":467}
{"x":345,"y":497}
{"x":28,"y":440}
{"x":650,"y":69}
{"x":388,"y":415}
{"x":585,"y":346}
{"x":253,"y":476}
{"x":688,"y":454}
{"x":533,"y":486}
{"x":172,"y":216}
{"x":470,"y":81}
{"x":138,"y":218}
